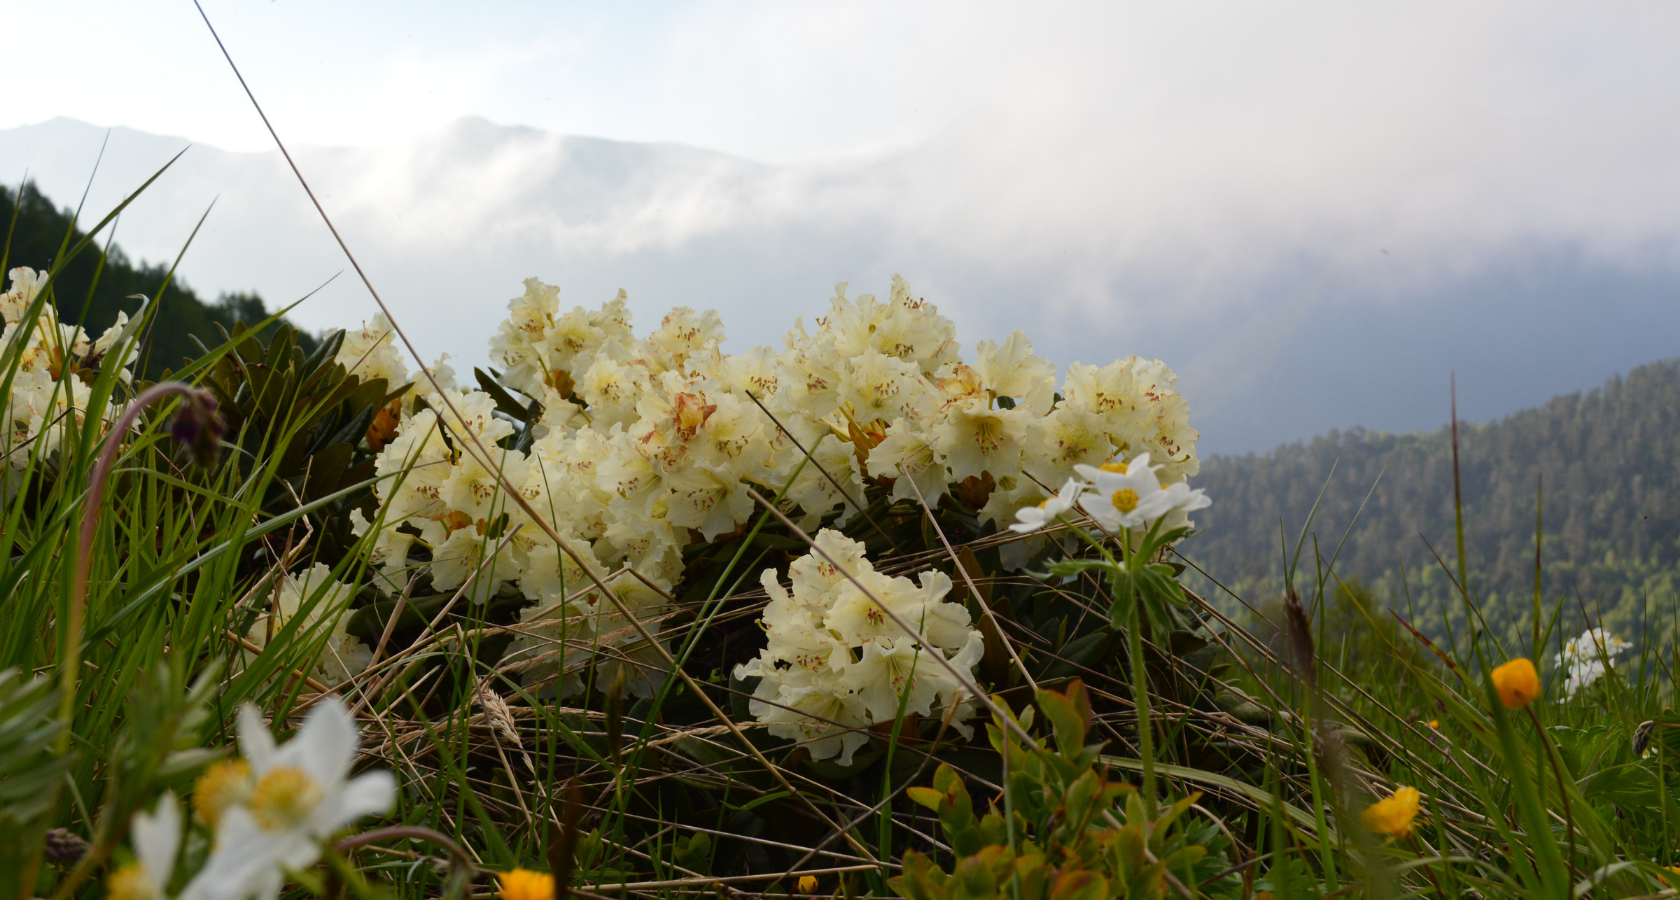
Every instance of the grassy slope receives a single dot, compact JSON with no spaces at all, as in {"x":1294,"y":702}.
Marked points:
{"x":1612,"y":508}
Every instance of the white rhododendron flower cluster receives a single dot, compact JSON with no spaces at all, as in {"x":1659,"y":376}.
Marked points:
{"x":1587,"y":658}
{"x":344,"y":655}
{"x":648,"y":444}
{"x":836,"y":663}
{"x":43,"y":397}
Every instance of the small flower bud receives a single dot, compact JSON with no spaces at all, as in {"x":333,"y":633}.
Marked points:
{"x":65,"y":847}
{"x":198,"y":425}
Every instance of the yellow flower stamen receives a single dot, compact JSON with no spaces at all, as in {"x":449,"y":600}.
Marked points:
{"x":284,"y":797}
{"x":807,"y":884}
{"x":1117,"y":467}
{"x":524,"y":884}
{"x":223,"y":785}
{"x":1125,"y":500}
{"x":131,"y":882}
{"x":1517,"y":683}
{"x":1393,"y":815}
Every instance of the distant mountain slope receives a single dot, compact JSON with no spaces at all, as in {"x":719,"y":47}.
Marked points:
{"x":1610,"y":460}
{"x":40,"y":232}
{"x":1244,"y":290}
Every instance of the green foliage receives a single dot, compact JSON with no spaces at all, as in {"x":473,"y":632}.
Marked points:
{"x":30,"y":771}
{"x":294,"y":407}
{"x":1065,"y":831}
{"x":93,"y":288}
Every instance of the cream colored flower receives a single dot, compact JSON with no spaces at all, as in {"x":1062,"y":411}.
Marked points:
{"x":907,"y":454}
{"x":315,"y":599}
{"x":883,"y":388}
{"x":835,"y":663}
{"x":976,"y":438}
{"x":371,"y":352}
{"x":1011,"y":369}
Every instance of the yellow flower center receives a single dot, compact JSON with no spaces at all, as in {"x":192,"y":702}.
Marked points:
{"x":284,"y":797}
{"x":226,"y":783}
{"x":131,"y":882}
{"x":523,"y":884}
{"x":1117,"y":467}
{"x":1124,"y":500}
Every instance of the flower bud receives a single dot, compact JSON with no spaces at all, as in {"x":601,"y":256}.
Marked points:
{"x":198,"y":425}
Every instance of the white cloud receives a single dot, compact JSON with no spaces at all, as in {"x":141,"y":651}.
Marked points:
{"x":1160,"y":178}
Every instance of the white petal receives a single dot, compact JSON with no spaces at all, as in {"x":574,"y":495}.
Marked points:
{"x":157,"y":836}
{"x":326,"y":744}
{"x":371,"y":794}
{"x":247,"y":860}
{"x":255,"y":739}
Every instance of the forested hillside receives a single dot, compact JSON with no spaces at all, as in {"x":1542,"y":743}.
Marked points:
{"x":1609,"y":464}
{"x":104,"y":289}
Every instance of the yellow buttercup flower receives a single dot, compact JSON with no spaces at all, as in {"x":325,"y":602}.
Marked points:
{"x":1393,"y":815}
{"x":1434,"y":723}
{"x":524,"y":884}
{"x":807,"y":884}
{"x":1517,"y":682}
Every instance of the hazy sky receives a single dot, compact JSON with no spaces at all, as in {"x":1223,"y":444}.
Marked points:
{"x":1222,"y":184}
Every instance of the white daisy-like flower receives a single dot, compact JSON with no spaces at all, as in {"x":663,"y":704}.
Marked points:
{"x":1124,"y":495}
{"x":1031,"y":518}
{"x":301,"y":794}
{"x":156,"y":838}
{"x":1588,"y":658}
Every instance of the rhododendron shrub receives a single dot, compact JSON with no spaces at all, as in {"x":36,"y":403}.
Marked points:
{"x":47,"y":393}
{"x":642,"y":446}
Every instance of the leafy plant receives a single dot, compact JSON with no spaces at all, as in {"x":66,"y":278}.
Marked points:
{"x":1063,"y":830}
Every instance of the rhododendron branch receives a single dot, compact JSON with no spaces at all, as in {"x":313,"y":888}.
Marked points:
{"x":944,"y":725}
{"x":694,"y":687}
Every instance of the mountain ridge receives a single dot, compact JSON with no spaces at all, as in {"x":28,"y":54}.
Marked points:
{"x":448,"y":227}
{"x":1604,"y":462}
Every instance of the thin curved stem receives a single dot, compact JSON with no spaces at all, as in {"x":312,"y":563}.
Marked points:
{"x":69,"y":674}
{"x":414,"y":832}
